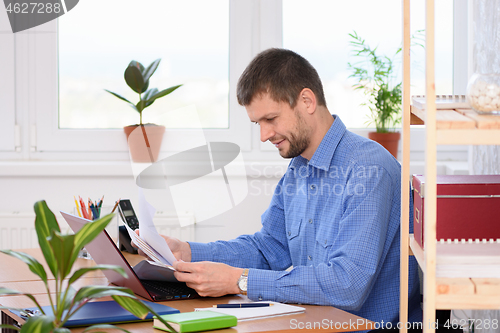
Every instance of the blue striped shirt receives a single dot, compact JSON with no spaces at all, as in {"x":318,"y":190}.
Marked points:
{"x":336,"y":220}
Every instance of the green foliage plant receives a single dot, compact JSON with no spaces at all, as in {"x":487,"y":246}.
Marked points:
{"x":375,"y":76}
{"x":137,"y":78}
{"x":60,"y":253}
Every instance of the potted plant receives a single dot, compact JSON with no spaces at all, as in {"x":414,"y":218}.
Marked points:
{"x":375,"y":76}
{"x":144,"y":140}
{"x":60,"y":253}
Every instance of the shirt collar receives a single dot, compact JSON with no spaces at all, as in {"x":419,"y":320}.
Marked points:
{"x":323,"y":155}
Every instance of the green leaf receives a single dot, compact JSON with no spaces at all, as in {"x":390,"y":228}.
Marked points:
{"x":104,"y":326}
{"x":133,"y":77}
{"x":132,"y":305}
{"x":38,"y":324}
{"x":139,"y":309}
{"x":45,"y":225}
{"x":120,"y":97}
{"x":147,"y":96}
{"x":63,"y":247}
{"x":76,"y":275}
{"x":32,"y":263}
{"x":140,"y":105}
{"x":162,"y":93}
{"x":88,"y":232}
{"x":148,"y":72}
{"x":91,"y":292}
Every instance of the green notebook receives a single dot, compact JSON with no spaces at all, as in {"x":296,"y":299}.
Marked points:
{"x":196,"y":321}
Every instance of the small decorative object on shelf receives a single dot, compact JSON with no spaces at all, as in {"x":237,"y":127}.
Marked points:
{"x":483,"y":93}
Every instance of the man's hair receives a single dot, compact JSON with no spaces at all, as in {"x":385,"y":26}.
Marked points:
{"x":280,"y":73}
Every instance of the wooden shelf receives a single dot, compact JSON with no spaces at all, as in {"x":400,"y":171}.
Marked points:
{"x":463,"y":260}
{"x":461,"y":126}
{"x":460,"y":292}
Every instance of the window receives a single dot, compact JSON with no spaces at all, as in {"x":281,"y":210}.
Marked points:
{"x":323,"y":39}
{"x":191,"y":37}
{"x":197,"y":64}
{"x":53,"y":87}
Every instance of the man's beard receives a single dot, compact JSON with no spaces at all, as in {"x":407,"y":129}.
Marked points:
{"x":298,"y":141}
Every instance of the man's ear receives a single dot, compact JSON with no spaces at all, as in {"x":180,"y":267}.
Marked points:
{"x":308,"y":99}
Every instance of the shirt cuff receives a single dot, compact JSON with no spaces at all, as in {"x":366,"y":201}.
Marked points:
{"x":262,"y":284}
{"x":201,"y":252}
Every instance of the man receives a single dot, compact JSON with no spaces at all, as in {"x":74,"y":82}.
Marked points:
{"x":334,"y":216}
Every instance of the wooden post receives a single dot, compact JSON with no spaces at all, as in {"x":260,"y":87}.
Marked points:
{"x":405,"y":171}
{"x":430,"y":175}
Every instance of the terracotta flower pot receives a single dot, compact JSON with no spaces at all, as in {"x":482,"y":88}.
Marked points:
{"x":144,"y":142}
{"x":389,"y":141}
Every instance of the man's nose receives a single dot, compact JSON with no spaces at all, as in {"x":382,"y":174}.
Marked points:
{"x":266,"y":132}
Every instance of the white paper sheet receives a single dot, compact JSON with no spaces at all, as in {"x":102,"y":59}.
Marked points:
{"x":278,"y":309}
{"x":148,"y":231}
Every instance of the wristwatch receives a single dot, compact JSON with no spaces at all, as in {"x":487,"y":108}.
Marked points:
{"x":243,"y":281}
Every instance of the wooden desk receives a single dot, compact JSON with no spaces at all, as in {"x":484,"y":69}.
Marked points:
{"x":15,"y":274}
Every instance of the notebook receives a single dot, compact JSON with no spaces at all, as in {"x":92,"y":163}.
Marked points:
{"x":107,"y":312}
{"x":196,"y":321}
{"x":105,"y":252}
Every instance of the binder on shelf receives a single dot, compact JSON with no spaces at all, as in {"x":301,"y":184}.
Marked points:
{"x":468,"y":208}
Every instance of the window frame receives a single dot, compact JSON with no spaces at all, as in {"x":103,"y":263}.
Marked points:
{"x":104,"y":143}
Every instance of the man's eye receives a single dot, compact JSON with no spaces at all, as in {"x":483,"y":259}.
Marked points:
{"x":270,"y":119}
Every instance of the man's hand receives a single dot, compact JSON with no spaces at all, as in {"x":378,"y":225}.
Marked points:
{"x":181,"y":250}
{"x":209,"y":278}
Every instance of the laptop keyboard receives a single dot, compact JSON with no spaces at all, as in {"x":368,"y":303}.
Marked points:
{"x":169,"y":291}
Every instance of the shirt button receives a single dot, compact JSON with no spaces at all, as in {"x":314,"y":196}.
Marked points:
{"x":311,"y":221}
{"x":313,"y":187}
{"x":289,"y":233}
{"x":310,"y":258}
{"x":325,"y":241}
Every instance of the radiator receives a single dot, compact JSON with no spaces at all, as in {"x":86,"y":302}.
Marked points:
{"x":17,"y":229}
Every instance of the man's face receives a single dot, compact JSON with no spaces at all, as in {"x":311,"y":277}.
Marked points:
{"x":280,"y":124}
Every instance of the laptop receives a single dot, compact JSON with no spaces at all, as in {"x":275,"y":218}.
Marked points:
{"x":105,"y":252}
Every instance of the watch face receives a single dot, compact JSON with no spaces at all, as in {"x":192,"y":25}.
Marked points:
{"x":242,"y":284}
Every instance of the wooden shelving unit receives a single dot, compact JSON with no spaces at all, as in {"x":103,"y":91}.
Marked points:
{"x":443,"y":127}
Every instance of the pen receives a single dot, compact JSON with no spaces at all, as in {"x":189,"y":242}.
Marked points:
{"x":243,"y":305}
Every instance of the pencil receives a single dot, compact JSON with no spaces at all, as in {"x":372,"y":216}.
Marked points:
{"x":90,"y":210}
{"x":116,"y":205}
{"x":77,"y":207}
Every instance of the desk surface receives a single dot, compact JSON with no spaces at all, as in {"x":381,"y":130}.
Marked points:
{"x":16,"y":275}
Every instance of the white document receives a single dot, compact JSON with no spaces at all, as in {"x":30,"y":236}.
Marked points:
{"x":278,"y":309}
{"x":148,"y":231}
